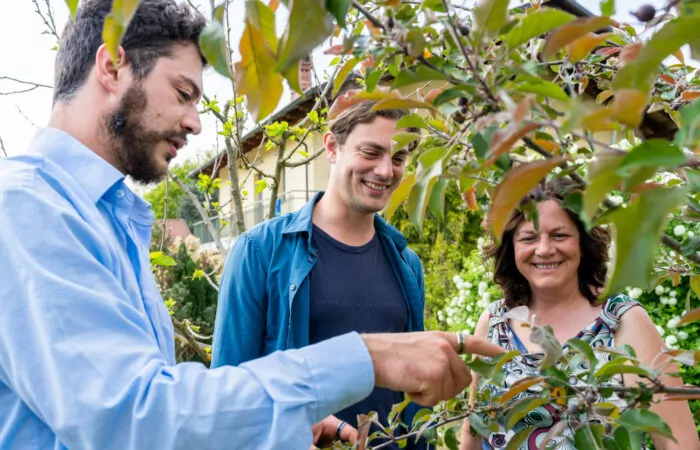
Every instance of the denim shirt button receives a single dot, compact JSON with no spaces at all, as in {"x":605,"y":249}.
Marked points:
{"x":292,"y":287}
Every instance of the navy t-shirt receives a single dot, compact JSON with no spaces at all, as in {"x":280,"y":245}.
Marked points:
{"x":355,"y":289}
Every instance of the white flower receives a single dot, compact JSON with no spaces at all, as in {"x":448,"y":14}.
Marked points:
{"x":673,"y":293}
{"x":673,"y":322}
{"x":683,"y":335}
{"x":659,"y":290}
{"x":441,"y":316}
{"x":482,"y":287}
{"x":672,"y":301}
{"x":468,"y":285}
{"x":486,"y":297}
{"x":456,"y":279}
{"x":679,"y":230}
{"x":671,"y":340}
{"x":691,"y":234}
{"x":660,"y":330}
{"x":664,"y":300}
{"x":635,"y":292}
{"x":450,"y":322}
{"x":460,"y":285}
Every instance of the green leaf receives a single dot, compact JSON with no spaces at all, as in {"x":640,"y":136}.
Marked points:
{"x":585,"y":349}
{"x":401,"y":139}
{"x":308,"y":26}
{"x":689,"y":132}
{"x":695,"y":285}
{"x":451,"y":440}
{"x":489,"y":17}
{"x":607,"y":7}
{"x":116,"y":24}
{"x":292,"y":77}
{"x":516,"y":441}
{"x":212,"y":43}
{"x":161,"y":259}
{"x":638,"y":230}
{"x":522,"y":408}
{"x":644,"y":420}
{"x":537,"y":24}
{"x":430,"y":166}
{"x":656,"y":153}
{"x":372,"y":79}
{"x":542,"y":87}
{"x":72,"y":7}
{"x":514,"y":186}
{"x":399,"y":195}
{"x":628,"y":440}
{"x":260,"y":186}
{"x":544,"y":337}
{"x":339,"y":9}
{"x":255,"y":76}
{"x":616,"y":366}
{"x":453,"y":93}
{"x":641,"y":72}
{"x":587,"y":438}
{"x":343,"y":74}
{"x":436,"y":205}
{"x":261,"y":17}
{"x":412,"y":120}
{"x":400,"y":103}
{"x":422,"y":73}
{"x":603,"y":179}
{"x":477,"y":423}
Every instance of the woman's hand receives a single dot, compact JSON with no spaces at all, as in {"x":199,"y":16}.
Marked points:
{"x":326,"y":431}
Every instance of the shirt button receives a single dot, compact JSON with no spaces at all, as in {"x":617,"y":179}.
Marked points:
{"x":292,"y":287}
{"x":311,"y":259}
{"x":120,"y":193}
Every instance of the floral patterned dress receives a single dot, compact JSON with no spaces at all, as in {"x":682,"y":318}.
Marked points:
{"x":599,"y":333}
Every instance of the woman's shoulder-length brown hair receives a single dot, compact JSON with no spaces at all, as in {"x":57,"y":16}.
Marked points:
{"x":594,"y":246}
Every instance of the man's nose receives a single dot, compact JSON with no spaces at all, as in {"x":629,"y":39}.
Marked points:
{"x":191,"y":122}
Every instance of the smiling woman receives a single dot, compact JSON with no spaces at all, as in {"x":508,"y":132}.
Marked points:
{"x":556,"y":270}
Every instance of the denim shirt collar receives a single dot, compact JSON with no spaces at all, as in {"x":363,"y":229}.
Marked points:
{"x":302,"y":222}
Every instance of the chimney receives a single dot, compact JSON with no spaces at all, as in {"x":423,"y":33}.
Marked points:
{"x":304,"y":75}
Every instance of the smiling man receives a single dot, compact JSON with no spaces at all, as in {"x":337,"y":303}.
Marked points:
{"x":333,"y":267}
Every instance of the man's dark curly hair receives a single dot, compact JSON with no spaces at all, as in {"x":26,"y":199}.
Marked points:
{"x":155,"y":29}
{"x":593,"y":244}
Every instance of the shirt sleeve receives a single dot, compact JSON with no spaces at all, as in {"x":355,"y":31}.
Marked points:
{"x":240,"y":315}
{"x":78,"y":352}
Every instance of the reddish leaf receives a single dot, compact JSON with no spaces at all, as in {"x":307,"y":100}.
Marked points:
{"x":515,"y":185}
{"x":608,"y":51}
{"x":630,"y":52}
{"x":503,"y":140}
{"x":469,"y":197}
{"x":690,"y":95}
{"x":578,"y":49}
{"x":692,"y":316}
{"x":679,"y":56}
{"x":668,"y":78}
{"x":570,"y":32}
{"x":400,"y":103}
{"x":518,"y":387}
{"x":336,"y":50}
{"x":343,"y":102}
{"x":546,"y":144}
{"x":273,"y":5}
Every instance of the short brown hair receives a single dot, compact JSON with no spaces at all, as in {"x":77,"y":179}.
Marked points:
{"x":593,"y":244}
{"x":346,"y":121}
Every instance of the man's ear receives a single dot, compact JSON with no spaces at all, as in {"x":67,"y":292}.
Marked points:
{"x":331,"y":145}
{"x":109,"y":74}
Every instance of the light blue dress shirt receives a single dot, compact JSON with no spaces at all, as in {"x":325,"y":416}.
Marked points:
{"x":87,"y":356}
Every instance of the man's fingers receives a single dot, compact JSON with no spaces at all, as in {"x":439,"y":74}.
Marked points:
{"x":349,"y":434}
{"x":473,"y":344}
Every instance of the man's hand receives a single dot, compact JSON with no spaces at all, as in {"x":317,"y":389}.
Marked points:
{"x":425,"y":365}
{"x":325,"y":431}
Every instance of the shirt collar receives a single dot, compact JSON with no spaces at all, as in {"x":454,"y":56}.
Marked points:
{"x":90,"y":171}
{"x":303,"y":222}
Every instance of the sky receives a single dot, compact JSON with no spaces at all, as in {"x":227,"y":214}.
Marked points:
{"x":26,"y":54}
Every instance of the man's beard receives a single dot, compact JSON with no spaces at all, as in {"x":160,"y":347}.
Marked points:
{"x":134,"y":146}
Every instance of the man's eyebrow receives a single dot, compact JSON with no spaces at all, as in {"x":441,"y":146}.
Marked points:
{"x":196,"y":92}
{"x":374,"y":145}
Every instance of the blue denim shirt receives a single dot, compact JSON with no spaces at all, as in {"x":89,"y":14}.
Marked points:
{"x":87,"y":356}
{"x":264,"y":290}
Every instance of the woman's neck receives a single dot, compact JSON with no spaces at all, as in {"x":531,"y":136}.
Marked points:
{"x":551,"y":304}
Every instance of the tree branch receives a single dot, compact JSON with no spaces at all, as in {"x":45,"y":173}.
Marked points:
{"x":305,"y":160}
{"x":32,"y":86}
{"x":198,"y":347}
{"x":48,"y":19}
{"x":205,"y":217}
{"x":2,"y":147}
